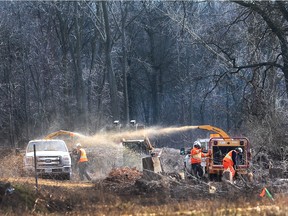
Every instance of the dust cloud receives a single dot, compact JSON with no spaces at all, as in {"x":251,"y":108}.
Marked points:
{"x":106,"y":152}
{"x":115,"y":137}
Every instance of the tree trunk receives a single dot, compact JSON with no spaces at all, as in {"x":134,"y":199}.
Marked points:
{"x":110,"y":73}
{"x":63,"y":37}
{"x":125,"y":67}
{"x":80,"y":96}
{"x":154,"y":90}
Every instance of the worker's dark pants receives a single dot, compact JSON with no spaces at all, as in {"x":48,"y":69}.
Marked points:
{"x":197,"y":170}
{"x":83,"y":170}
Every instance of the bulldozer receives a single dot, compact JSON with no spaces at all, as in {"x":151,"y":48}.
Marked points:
{"x":217,"y":146}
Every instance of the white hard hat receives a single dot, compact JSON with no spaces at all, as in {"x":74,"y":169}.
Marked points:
{"x":240,"y":150}
{"x":197,"y":143}
{"x":78,"y":145}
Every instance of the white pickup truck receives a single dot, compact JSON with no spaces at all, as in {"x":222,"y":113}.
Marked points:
{"x":53,"y":158}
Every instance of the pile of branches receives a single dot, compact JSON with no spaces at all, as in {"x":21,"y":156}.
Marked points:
{"x":124,"y":174}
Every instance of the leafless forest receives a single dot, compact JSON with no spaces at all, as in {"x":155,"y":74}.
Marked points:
{"x":80,"y":65}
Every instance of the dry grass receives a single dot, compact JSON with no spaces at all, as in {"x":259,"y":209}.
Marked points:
{"x":77,"y":198}
{"x":125,"y":192}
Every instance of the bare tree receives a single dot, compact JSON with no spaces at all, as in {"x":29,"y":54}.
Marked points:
{"x":63,"y":27}
{"x":275,"y":16}
{"x":115,"y":108}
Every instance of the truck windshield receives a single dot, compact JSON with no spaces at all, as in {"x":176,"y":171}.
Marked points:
{"x":47,"y":146}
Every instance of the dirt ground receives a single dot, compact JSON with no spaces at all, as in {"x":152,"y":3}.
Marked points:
{"x":129,"y":191}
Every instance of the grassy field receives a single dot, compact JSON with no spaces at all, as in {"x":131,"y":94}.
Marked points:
{"x":97,"y":198}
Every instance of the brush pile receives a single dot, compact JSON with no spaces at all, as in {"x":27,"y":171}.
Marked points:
{"x":124,"y":175}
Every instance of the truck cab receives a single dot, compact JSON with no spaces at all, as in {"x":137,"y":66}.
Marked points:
{"x":52,"y":158}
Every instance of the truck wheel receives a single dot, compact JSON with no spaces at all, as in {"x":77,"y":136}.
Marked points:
{"x":66,"y":176}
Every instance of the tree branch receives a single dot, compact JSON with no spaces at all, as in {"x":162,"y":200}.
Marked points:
{"x":261,"y":64}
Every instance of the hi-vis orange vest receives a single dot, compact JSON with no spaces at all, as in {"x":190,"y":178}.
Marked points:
{"x":196,"y":156}
{"x":83,"y":157}
{"x":228,"y":158}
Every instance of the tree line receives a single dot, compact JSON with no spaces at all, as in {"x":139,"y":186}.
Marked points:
{"x":80,"y":65}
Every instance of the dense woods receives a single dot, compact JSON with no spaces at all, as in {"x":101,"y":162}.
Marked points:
{"x":79,"y":66}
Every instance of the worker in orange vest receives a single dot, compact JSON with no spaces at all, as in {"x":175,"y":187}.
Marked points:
{"x":82,"y":161}
{"x":229,"y":161}
{"x":196,"y":159}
